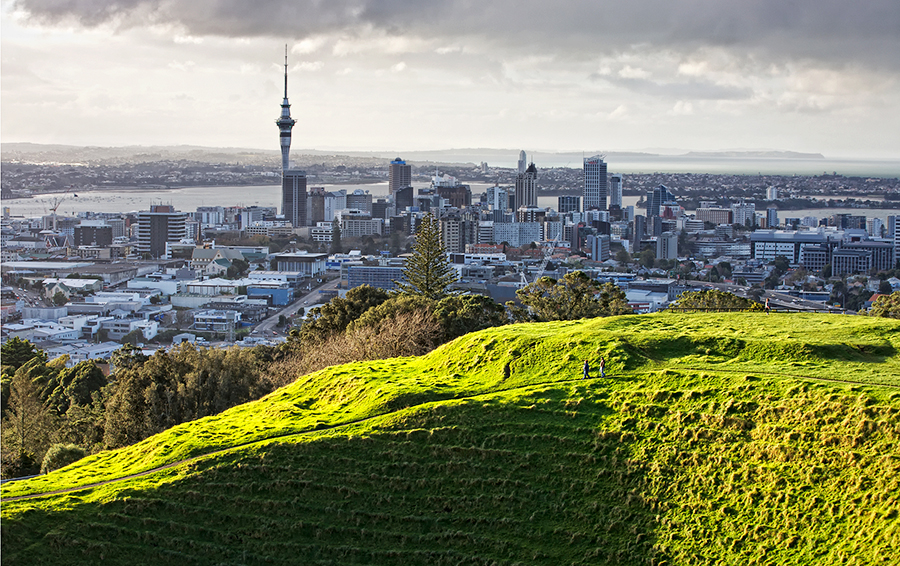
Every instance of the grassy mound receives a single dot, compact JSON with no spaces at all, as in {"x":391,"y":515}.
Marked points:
{"x":732,"y":438}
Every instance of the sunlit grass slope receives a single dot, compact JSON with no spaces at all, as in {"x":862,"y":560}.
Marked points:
{"x":721,"y":438}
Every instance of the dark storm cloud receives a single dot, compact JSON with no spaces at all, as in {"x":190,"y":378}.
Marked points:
{"x":866,"y":33}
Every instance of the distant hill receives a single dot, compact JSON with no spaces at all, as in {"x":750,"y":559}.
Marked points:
{"x":720,"y":438}
{"x":95,"y":155}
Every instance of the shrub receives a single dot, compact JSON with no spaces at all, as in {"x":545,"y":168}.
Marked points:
{"x":61,"y":455}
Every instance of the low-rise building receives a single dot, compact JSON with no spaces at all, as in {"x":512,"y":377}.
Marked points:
{"x":216,"y":320}
{"x":381,"y":277}
{"x":309,"y":264}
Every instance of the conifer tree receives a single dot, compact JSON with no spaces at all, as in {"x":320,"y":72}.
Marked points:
{"x":427,"y":271}
{"x":336,"y":247}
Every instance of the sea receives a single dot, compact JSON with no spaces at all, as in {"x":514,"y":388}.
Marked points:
{"x":188,"y":199}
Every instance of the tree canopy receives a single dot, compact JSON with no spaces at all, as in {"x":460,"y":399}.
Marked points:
{"x":427,"y":271}
{"x":16,"y":352}
{"x":713,"y":299}
{"x":338,"y":313}
{"x":887,"y":306}
{"x":574,"y":296}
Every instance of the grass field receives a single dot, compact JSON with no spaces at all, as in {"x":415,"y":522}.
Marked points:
{"x":716,"y":438}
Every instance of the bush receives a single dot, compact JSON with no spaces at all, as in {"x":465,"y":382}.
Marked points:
{"x":61,"y":455}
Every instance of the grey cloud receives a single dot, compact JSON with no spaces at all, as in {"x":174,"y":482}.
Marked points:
{"x":866,"y":33}
{"x":685,"y":90}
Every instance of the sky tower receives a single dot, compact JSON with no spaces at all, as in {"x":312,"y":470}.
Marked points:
{"x":285,"y":122}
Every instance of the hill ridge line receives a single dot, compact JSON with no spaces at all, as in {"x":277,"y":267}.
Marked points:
{"x":364,"y":419}
{"x":276,"y":437}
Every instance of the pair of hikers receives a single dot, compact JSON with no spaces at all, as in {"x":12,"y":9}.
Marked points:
{"x":587,"y":369}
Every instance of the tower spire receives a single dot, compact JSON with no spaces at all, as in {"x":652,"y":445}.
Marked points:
{"x":285,"y":122}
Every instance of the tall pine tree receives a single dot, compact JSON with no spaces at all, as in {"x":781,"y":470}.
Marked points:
{"x":427,"y":272}
{"x":336,"y":247}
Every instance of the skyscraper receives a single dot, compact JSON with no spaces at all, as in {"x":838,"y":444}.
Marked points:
{"x":293,"y":196}
{"x":285,"y":122}
{"x":615,"y":190}
{"x":522,"y":162}
{"x":657,"y":198}
{"x":526,"y":187}
{"x":158,"y":226}
{"x":399,"y":175}
{"x":595,"y":186}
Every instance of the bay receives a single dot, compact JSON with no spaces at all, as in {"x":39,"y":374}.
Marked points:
{"x":188,"y":199}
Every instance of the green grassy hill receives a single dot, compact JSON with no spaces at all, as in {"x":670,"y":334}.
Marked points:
{"x":720,"y":438}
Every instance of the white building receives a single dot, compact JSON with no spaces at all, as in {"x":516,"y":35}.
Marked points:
{"x":517,"y":234}
{"x":595,"y":183}
{"x":667,"y":246}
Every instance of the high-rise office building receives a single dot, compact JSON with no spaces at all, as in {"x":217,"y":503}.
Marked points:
{"x":293,"y":196}
{"x":93,"y":233}
{"x":399,"y":175}
{"x":404,"y":197}
{"x":595,"y":185}
{"x":771,"y":217}
{"x":315,"y":206}
{"x":657,"y":198}
{"x":360,"y":200}
{"x":667,"y":246}
{"x":638,"y":233}
{"x":156,"y":227}
{"x":568,"y":203}
{"x":522,"y":163}
{"x":526,"y":188}
{"x":615,"y":191}
{"x":744,"y":213}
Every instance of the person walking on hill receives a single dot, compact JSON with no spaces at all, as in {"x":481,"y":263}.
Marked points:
{"x":602,"y":367}
{"x":767,"y":305}
{"x":586,"y":370}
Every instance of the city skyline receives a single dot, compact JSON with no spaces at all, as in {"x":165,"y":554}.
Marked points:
{"x":809,"y":77}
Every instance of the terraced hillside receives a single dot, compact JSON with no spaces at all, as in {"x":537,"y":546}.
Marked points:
{"x":727,"y":438}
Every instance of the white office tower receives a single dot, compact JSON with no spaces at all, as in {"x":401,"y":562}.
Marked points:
{"x":595,"y":185}
{"x":744,"y":213}
{"x":615,"y":191}
{"x":874,"y":226}
{"x":522,"y":161}
{"x":772,"y":193}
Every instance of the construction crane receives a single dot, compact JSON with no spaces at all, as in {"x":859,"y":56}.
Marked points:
{"x":57,"y":201}
{"x":549,"y":248}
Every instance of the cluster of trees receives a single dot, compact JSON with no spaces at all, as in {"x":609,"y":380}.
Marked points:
{"x":51,"y":413}
{"x":714,"y":300}
{"x":574,"y":296}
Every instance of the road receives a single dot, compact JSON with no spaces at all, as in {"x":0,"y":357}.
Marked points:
{"x":267,"y":327}
{"x":776,"y":300}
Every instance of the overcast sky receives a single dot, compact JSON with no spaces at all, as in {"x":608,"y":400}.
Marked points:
{"x":801,"y":75}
